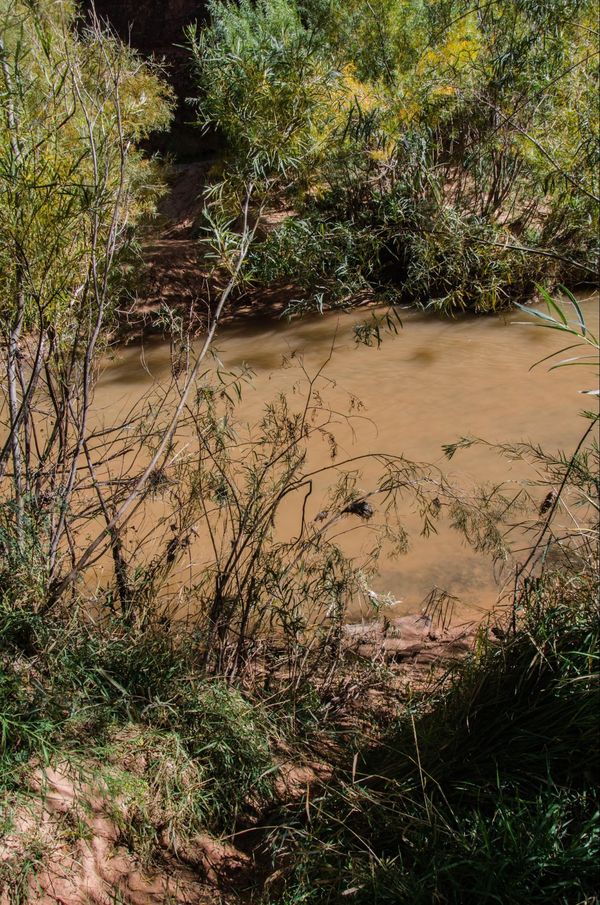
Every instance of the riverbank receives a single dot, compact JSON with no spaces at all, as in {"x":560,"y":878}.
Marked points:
{"x":133,"y":778}
{"x":134,"y":775}
{"x":302,"y":610}
{"x":174,"y":277}
{"x":172,"y":272}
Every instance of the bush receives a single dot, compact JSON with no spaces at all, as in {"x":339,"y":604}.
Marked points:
{"x":428,"y":149}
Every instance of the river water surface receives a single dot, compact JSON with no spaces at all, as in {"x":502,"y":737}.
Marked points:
{"x":432,"y":383}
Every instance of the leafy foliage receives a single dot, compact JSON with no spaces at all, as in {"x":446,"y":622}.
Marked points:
{"x":70,"y":104}
{"x":432,"y":151}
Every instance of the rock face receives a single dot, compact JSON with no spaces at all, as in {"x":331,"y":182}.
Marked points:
{"x":155,"y":28}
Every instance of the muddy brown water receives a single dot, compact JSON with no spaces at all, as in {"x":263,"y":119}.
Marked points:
{"x":434,"y":382}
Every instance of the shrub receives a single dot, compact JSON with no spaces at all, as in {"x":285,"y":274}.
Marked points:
{"x":431,"y":151}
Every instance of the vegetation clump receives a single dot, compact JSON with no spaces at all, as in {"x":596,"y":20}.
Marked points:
{"x":487,"y":792}
{"x":75,"y":691}
{"x":429,"y":152}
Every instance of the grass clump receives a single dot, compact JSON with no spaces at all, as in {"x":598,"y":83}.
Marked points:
{"x":71,"y":690}
{"x":486,"y":793}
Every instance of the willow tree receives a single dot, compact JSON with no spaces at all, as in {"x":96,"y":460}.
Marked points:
{"x":442,"y":152}
{"x":75,"y":104}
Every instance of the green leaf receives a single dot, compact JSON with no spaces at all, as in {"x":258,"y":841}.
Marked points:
{"x":552,"y":305}
{"x":575,"y":304}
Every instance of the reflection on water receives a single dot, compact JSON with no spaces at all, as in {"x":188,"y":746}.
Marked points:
{"x":436,"y":381}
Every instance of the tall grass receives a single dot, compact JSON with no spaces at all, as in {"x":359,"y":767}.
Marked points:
{"x":485,"y":793}
{"x":69,"y":688}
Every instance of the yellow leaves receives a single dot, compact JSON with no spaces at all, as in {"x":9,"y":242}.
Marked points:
{"x":147,"y":102}
{"x":83,"y":100}
{"x":380,"y":155}
{"x":444,"y":90}
{"x":460,"y":49}
{"x":363,"y":94}
{"x":406,"y":111}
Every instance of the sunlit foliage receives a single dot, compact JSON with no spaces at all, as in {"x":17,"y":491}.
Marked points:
{"x":72,"y":107}
{"x":74,"y":104}
{"x":431,"y":150}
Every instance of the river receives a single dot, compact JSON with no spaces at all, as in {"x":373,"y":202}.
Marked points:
{"x":432,"y":383}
